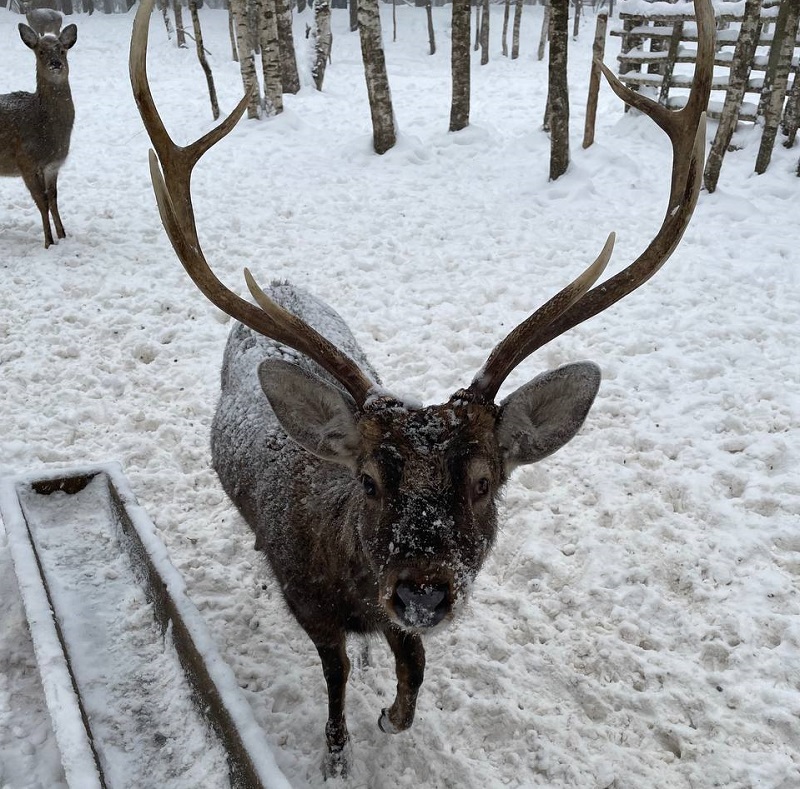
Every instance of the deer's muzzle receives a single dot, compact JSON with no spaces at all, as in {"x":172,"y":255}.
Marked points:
{"x":421,"y":606}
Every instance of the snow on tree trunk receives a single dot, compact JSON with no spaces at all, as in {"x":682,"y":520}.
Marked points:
{"x":201,"y":56}
{"x":246,"y":58}
{"x":384,"y":133}
{"x":289,"y":76}
{"x":460,"y":65}
{"x":270,"y":57}
{"x":321,"y":35}
{"x":558,"y":90}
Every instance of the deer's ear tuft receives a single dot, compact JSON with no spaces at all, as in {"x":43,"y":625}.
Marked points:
{"x":544,"y":414}
{"x":316,"y":414}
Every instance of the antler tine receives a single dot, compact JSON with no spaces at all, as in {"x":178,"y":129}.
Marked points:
{"x":686,"y":130}
{"x":173,"y":195}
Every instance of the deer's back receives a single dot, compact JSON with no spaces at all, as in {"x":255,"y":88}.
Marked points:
{"x":34,"y":132}
{"x":297,"y":505}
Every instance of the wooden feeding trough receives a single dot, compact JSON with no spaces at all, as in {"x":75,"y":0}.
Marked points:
{"x":136,"y":689}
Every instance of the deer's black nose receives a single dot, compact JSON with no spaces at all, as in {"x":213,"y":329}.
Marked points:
{"x":421,"y":605}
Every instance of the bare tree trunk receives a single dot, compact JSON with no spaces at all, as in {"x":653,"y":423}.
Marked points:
{"x":431,"y":33}
{"x":506,"y":13}
{"x":576,"y":24}
{"x":477,"y":41}
{"x":289,"y":76}
{"x":353,"y":15}
{"x":322,"y":41}
{"x":201,"y":56}
{"x":785,"y":34}
{"x":598,"y":51}
{"x":460,"y":65}
{"x":270,"y":57}
{"x":164,"y":7}
{"x":394,"y":20}
{"x":740,"y":72}
{"x":545,"y":30}
{"x":558,"y":92}
{"x":485,"y":33}
{"x":246,"y":58}
{"x":384,"y":134}
{"x":180,"y":35}
{"x":515,"y":29}
{"x":232,"y":33}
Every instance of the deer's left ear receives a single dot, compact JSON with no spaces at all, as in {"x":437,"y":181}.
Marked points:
{"x":544,"y":414}
{"x":28,"y":35}
{"x":68,"y":37}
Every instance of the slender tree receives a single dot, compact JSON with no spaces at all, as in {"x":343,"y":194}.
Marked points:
{"x":515,"y":29}
{"x":506,"y":13}
{"x":460,"y":65}
{"x":484,"y":33}
{"x":737,"y":82}
{"x":201,"y":56}
{"x":384,"y":133}
{"x":431,"y":33}
{"x":558,"y":88}
{"x":180,"y":33}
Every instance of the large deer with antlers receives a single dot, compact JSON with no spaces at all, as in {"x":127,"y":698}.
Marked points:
{"x":376,"y":515}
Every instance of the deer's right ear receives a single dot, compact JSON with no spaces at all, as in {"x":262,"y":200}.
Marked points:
{"x":28,"y":35}
{"x":316,"y":414}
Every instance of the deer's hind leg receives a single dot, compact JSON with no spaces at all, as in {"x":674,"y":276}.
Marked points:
{"x":51,"y":194}
{"x":409,"y":655}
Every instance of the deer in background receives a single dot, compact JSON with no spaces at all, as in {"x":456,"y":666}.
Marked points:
{"x":45,"y":20}
{"x":35,"y":128}
{"x":375,"y":514}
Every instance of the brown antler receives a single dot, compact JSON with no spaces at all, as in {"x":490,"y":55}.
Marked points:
{"x":573,"y":305}
{"x":173,"y":194}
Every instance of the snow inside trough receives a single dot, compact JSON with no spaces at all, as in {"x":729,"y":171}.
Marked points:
{"x":638,"y":623}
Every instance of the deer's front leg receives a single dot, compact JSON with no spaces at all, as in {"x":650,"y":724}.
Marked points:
{"x":336,"y":667}
{"x":409,"y":657}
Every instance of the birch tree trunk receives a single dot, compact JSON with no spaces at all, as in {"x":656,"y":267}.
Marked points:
{"x":485,"y":33}
{"x":246,"y":58}
{"x":384,"y":133}
{"x":322,"y":41}
{"x":201,"y":56}
{"x":270,"y":57}
{"x":290,"y":79}
{"x":232,"y":33}
{"x":180,"y":33}
{"x":431,"y":33}
{"x":515,"y":30}
{"x":506,"y":12}
{"x":737,"y":82}
{"x":558,"y":89}
{"x":460,"y":65}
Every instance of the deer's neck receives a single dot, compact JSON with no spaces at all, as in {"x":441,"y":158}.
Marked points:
{"x":55,"y":98}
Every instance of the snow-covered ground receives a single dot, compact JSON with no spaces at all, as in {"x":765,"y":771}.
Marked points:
{"x":638,"y":624}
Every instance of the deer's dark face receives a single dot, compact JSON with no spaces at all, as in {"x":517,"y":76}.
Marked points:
{"x":50,"y":51}
{"x":429,"y":481}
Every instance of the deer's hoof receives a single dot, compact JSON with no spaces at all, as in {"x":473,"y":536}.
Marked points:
{"x":385,"y":723}
{"x":336,"y":763}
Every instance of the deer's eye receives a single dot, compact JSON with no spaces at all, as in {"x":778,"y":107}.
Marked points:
{"x":370,"y":488}
{"x":480,"y":488}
